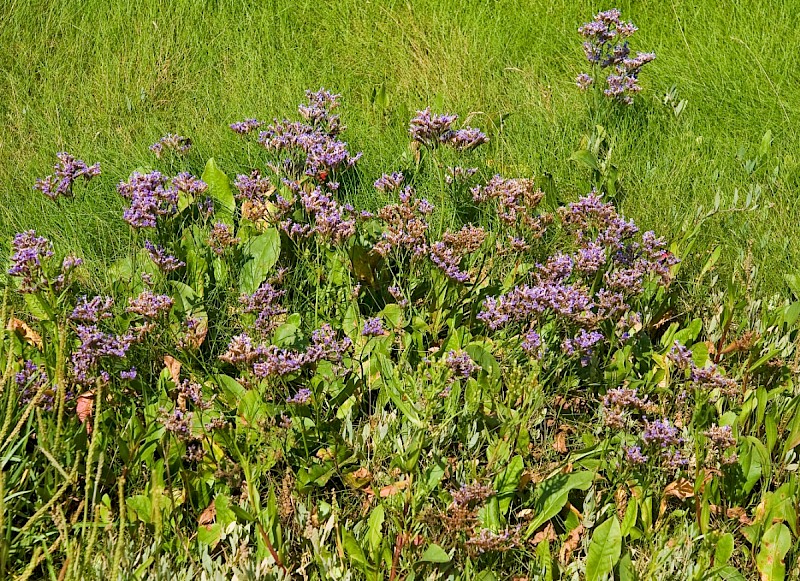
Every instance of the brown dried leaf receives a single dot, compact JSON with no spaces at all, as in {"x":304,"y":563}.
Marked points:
{"x":571,"y":544}
{"x":393,"y":489}
{"x":560,"y":443}
{"x":548,"y":533}
{"x":174,"y":368}
{"x":682,"y":488}
{"x":84,"y":408}
{"x":28,"y":335}
{"x":208,"y":516}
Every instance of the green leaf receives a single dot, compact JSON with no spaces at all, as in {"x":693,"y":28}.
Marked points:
{"x":553,"y":495}
{"x":219,"y":189}
{"x":586,"y":158}
{"x":38,"y":307}
{"x":263,"y":252}
{"x":775,"y":543}
{"x":435,"y":554}
{"x":374,"y":529}
{"x":604,"y":550}
{"x":507,"y":482}
{"x":723,"y":549}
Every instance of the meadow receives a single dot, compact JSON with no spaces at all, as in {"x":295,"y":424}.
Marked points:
{"x":455,"y":316}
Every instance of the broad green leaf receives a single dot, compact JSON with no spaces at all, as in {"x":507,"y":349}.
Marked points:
{"x":626,"y":570}
{"x":553,"y":495}
{"x":507,"y":482}
{"x":219,"y":189}
{"x":38,"y":307}
{"x":775,"y":543}
{"x":604,"y":550}
{"x":263,"y":252}
{"x":587,"y":158}
{"x":723,"y":549}
{"x":435,"y":554}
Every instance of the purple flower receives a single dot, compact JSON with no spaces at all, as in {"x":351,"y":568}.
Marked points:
{"x":633,"y":454}
{"x":171,"y":142}
{"x":583,"y":344}
{"x":163,"y":261}
{"x":680,"y":356}
{"x":265,"y":302}
{"x":187,"y":183}
{"x":92,"y":311}
{"x":241,"y":350}
{"x":661,"y":433}
{"x":460,"y":363}
{"x":467,"y":139}
{"x":253,"y":187}
{"x":96,"y":345}
{"x":29,"y":381}
{"x":302,"y":397}
{"x":318,"y":109}
{"x":325,"y":346}
{"x":711,"y":378}
{"x":246,"y":126}
{"x":150,"y":305}
{"x":67,"y":171}
{"x":29,"y":251}
{"x":584,"y":81}
{"x":459,"y":175}
{"x":532,"y":344}
{"x":274,"y":361}
{"x":431,"y":130}
{"x":404,"y":225}
{"x":389,"y":182}
{"x":129,"y":374}
{"x":373,"y":328}
{"x":515,"y":200}
{"x":221,"y":238}
{"x":150,"y":198}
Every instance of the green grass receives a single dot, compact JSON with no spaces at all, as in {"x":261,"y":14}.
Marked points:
{"x":105,"y":80}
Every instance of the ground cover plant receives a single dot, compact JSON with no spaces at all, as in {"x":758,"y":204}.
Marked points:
{"x":473,"y":379}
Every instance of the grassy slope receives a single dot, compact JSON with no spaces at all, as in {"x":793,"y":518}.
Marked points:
{"x":104,"y":82}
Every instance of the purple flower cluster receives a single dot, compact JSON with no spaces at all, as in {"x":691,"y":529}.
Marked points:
{"x":92,"y":311}
{"x":373,"y":327}
{"x":221,"y":238}
{"x":30,"y":380}
{"x":459,"y":175}
{"x":389,"y":182}
{"x":606,"y":46}
{"x":29,"y":250}
{"x":325,"y":346}
{"x":515,"y":200}
{"x":460,"y":364}
{"x":171,"y":142}
{"x":150,"y":198}
{"x":448,"y":253}
{"x":66,"y":172}
{"x":532,"y":344}
{"x":165,"y":262}
{"x":634,"y":455}
{"x":332,"y":221}
{"x":433,"y":130}
{"x":661,"y":434}
{"x":317,"y":111}
{"x":274,"y":361}
{"x":150,"y":305}
{"x":246,"y":126}
{"x":265,"y":302}
{"x":582,"y":344}
{"x":302,"y":397}
{"x":404,"y":225}
{"x":96,"y":345}
{"x":189,"y":184}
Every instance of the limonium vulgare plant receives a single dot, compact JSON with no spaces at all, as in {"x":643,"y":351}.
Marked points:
{"x":283,"y":384}
{"x":615,"y":71}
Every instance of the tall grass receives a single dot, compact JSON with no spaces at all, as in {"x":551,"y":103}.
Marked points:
{"x":105,"y":80}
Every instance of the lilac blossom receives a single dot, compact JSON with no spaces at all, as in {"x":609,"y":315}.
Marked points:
{"x":67,"y":171}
